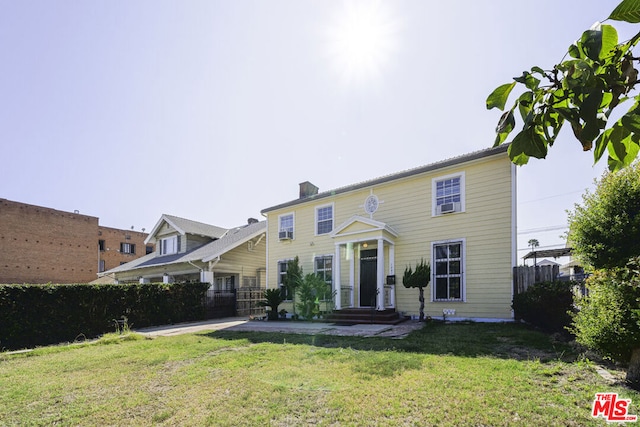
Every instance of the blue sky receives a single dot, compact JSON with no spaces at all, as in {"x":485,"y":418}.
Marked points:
{"x":214,"y":110}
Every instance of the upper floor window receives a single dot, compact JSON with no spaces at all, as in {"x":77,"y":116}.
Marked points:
{"x":170,"y":245}
{"x":448,"y":259}
{"x":149,"y":249}
{"x":448,"y":194}
{"x":127,"y":248}
{"x":324,"y":219}
{"x":285,"y":228}
{"x":101,"y":244}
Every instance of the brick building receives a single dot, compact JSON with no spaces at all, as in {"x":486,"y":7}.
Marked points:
{"x":42,"y":245}
{"x":117,"y":246}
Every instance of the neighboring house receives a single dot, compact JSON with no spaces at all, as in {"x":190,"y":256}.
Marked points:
{"x":193,"y":251}
{"x":458,"y":214}
{"x":44,"y":245}
{"x":547,"y":262}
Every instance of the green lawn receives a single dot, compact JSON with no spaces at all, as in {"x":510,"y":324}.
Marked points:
{"x":453,"y":374}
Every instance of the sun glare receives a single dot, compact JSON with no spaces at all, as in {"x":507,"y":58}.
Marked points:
{"x":362,"y":40}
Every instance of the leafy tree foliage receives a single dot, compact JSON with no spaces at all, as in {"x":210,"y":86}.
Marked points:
{"x":604,"y":231}
{"x":310,"y":290}
{"x":420,"y":279}
{"x":582,"y":91}
{"x":293,"y":279}
{"x":608,"y":320}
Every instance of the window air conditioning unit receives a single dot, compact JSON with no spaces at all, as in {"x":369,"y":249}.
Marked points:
{"x":285,"y":235}
{"x":446,"y":208}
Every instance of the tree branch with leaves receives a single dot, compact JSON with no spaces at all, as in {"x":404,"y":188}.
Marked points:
{"x":583,"y":91}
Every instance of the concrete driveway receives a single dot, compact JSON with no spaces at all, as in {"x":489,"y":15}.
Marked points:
{"x":309,"y":328}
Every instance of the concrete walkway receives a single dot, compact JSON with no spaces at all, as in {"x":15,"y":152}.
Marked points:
{"x":309,"y":328}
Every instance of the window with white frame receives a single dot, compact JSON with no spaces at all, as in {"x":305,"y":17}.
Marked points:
{"x":324,"y":270}
{"x":448,"y":194}
{"x":127,"y":248}
{"x":324,"y":219}
{"x":282,"y":271}
{"x":448,"y":259}
{"x":285,"y":228}
{"x":169,"y":245}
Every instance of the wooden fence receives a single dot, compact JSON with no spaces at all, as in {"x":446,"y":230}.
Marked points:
{"x":525,"y":276}
{"x":247,"y":302}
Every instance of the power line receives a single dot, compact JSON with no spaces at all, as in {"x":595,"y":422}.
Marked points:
{"x":551,"y":197}
{"x":549,"y":228}
{"x":542,"y":247}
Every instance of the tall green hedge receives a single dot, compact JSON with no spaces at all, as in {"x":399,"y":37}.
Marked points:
{"x":547,"y":305}
{"x":32,"y":315}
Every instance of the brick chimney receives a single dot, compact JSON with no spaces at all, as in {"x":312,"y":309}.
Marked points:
{"x":307,"y":189}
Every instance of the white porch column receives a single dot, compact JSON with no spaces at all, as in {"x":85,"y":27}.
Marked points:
{"x":392,"y":272}
{"x":352,"y":275}
{"x":337,"y":286}
{"x":380,"y":265}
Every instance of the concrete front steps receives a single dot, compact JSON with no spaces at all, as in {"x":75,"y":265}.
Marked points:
{"x":355,"y":316}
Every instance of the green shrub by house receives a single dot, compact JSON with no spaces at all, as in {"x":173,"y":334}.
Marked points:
{"x":546,"y":305}
{"x":32,"y":315}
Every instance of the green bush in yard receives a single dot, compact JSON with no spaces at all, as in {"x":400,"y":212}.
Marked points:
{"x":608,"y":319}
{"x":547,"y":305}
{"x":32,"y":315}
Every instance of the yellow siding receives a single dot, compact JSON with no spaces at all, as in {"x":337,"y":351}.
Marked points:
{"x":243,"y":262}
{"x":486,"y":225}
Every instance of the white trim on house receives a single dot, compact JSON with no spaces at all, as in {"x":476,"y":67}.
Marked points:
{"x":375,"y":226}
{"x":293,"y":226}
{"x":458,"y":206}
{"x":376,"y":232}
{"x":463,"y":270}
{"x":514,"y":226}
{"x":333,"y":218}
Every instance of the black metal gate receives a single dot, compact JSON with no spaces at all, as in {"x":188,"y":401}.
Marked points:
{"x":235,"y":302}
{"x":219,"y":304}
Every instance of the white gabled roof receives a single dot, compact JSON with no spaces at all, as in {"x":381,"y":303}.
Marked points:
{"x":372,"y":223}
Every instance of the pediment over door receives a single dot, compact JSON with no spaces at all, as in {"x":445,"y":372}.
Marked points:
{"x":358,"y":228}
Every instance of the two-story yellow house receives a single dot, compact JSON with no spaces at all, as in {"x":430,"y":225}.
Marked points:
{"x":458,"y":214}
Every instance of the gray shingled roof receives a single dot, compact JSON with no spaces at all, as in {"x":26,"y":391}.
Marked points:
{"x":399,"y":175}
{"x":232,"y":239}
{"x":195,"y":227}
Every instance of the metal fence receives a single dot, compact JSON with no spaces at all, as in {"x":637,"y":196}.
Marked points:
{"x":235,"y":302}
{"x":220,"y":303}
